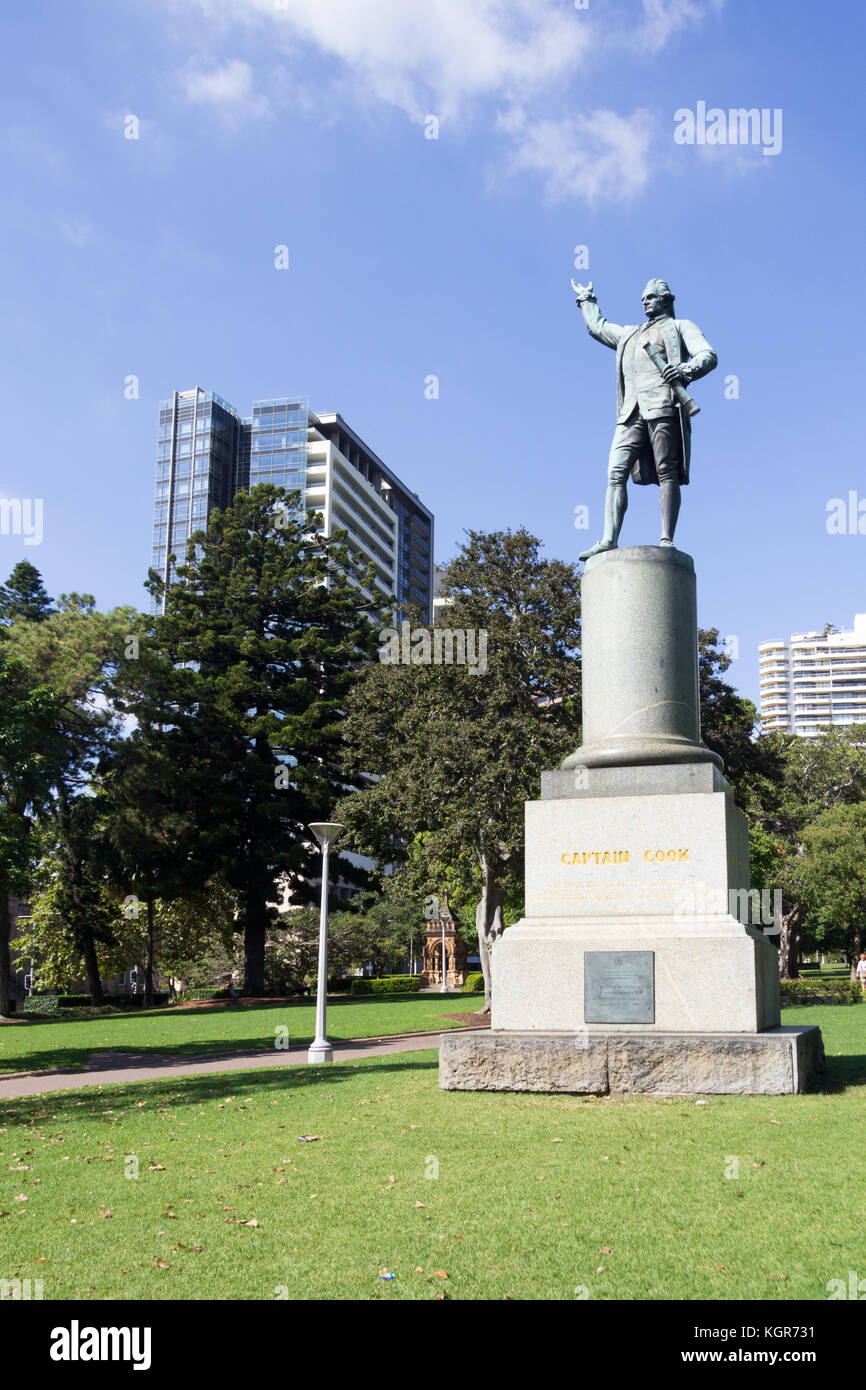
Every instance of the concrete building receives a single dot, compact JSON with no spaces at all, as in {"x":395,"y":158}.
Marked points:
{"x":206,"y":453}
{"x":815,"y":679}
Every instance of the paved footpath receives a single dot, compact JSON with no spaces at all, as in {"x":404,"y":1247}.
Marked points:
{"x":118,"y":1068}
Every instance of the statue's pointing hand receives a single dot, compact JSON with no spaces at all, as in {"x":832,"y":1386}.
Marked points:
{"x":583,"y":291}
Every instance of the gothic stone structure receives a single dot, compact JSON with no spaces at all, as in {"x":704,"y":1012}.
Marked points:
{"x":455,"y":952}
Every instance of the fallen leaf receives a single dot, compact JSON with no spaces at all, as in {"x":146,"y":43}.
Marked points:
{"x":605,"y":1250}
{"x":308,"y":1138}
{"x":102,"y":1215}
{"x":251,"y":1222}
{"x":420,"y":1204}
{"x":156,"y":1167}
{"x":557,"y":1141}
{"x":161,"y":1264}
{"x":440,"y":1274}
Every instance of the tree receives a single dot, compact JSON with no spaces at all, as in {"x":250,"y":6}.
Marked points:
{"x":379,"y":931}
{"x":729,"y":725}
{"x":263,"y":633}
{"x":29,"y":756}
{"x":75,"y":650}
{"x":457,"y":750}
{"x":75,"y":921}
{"x":816,"y":775}
{"x":145,"y":846}
{"x":23,"y":595}
{"x":833,"y":878}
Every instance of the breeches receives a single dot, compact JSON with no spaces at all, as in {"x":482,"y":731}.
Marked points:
{"x":632,"y":437}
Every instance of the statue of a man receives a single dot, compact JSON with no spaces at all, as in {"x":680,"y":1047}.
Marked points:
{"x":653,"y":432}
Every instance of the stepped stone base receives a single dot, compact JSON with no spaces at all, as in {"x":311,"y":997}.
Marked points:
{"x":779,"y":1061}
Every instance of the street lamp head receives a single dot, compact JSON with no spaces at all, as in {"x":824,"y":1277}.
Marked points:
{"x":327,"y":832}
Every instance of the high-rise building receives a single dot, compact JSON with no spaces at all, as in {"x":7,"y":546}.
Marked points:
{"x":206,"y":453}
{"x":816,"y":679}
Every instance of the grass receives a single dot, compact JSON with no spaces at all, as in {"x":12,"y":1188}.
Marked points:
{"x":536,"y":1197}
{"x":68,"y":1042}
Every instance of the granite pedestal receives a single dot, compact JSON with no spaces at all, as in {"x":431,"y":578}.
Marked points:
{"x":642,"y":962}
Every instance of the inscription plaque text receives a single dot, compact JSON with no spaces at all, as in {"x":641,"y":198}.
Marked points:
{"x":619,"y":986}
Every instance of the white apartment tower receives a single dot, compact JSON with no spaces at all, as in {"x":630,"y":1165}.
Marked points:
{"x":816,"y":679}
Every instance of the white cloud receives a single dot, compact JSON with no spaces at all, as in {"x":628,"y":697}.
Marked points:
{"x":429,"y":56}
{"x":465,"y":60}
{"x":597,"y":156}
{"x":664,"y":18}
{"x":229,"y":87}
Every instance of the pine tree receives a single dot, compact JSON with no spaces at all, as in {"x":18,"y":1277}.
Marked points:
{"x":23,"y":595}
{"x":264,"y":632}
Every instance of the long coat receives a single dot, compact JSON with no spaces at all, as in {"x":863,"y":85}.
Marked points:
{"x":683,"y":342}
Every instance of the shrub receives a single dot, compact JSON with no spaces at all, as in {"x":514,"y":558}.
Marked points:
{"x":206,"y":994}
{"x":474,"y":982}
{"x":41,"y":1004}
{"x":73,"y":1001}
{"x":136,"y":1001}
{"x":341,"y":984}
{"x":387,"y":984}
{"x":820,"y":991}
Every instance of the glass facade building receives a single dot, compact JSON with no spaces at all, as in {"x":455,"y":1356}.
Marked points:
{"x":206,"y":453}
{"x":197,"y":464}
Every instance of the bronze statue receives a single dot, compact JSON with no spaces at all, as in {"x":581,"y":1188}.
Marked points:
{"x":652,"y":441}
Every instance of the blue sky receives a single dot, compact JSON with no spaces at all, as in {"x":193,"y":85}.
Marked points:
{"x":304,"y":123}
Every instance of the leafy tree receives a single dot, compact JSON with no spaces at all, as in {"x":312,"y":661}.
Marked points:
{"x":263,"y":633}
{"x":68,"y":891}
{"x":833,"y":878}
{"x":380,"y":931}
{"x":816,"y":775}
{"x":456,"y":750}
{"x":23,"y":595}
{"x":193,"y":936}
{"x":29,"y":756}
{"x":75,"y":650}
{"x":729,"y":725}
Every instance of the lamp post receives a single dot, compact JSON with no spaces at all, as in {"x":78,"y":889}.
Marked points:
{"x":443,"y":988}
{"x":327,"y":833}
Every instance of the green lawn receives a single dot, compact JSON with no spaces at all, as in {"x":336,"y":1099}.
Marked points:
{"x":64,"y":1042}
{"x":536,"y":1196}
